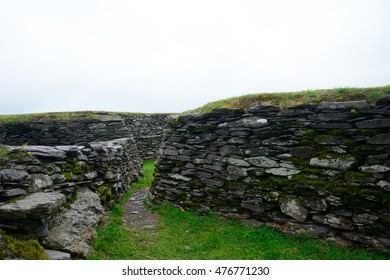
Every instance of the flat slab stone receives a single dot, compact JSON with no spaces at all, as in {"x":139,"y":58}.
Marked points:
{"x":375,"y":123}
{"x":12,"y":192}
{"x":333,"y":163}
{"x":376,"y":168}
{"x":238,"y":162}
{"x":57,"y":255}
{"x":262,"y":161}
{"x":380,"y":139}
{"x":342,"y":105}
{"x":35,"y":206}
{"x":335,"y":221}
{"x":13,"y":175}
{"x":46,"y":152}
{"x":252,"y":122}
{"x":282,"y":171}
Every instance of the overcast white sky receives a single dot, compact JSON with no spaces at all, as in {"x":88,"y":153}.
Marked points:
{"x":171,"y":56}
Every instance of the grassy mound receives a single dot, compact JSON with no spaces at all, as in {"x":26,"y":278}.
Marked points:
{"x":296,"y":98}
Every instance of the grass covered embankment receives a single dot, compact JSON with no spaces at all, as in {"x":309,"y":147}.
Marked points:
{"x":371,"y":95}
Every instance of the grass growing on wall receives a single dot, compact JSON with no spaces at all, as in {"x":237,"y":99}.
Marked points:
{"x":296,"y":98}
{"x":66,"y":116}
{"x":185,"y":235}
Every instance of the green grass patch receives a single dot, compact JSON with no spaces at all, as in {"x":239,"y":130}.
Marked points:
{"x":3,"y":151}
{"x":296,"y":98}
{"x":66,"y":116}
{"x":14,"y":153}
{"x":185,"y":235}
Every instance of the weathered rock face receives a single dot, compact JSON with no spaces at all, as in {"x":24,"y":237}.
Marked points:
{"x":70,"y":230}
{"x":319,"y":168}
{"x":35,"y":206}
{"x":58,"y":193}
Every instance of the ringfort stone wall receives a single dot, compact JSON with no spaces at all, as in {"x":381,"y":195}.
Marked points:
{"x":60,"y":193}
{"x":316,"y":169}
{"x":145,"y":129}
{"x":58,"y":184}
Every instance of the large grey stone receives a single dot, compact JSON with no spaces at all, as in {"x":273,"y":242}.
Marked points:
{"x":293,"y":208}
{"x":71,"y":230}
{"x":331,"y":116}
{"x":282,"y":171}
{"x":57,"y":255}
{"x":376,"y":168}
{"x":13,"y":175}
{"x":380,"y":244}
{"x":338,"y":163}
{"x":380,"y":139}
{"x":384,"y":185}
{"x":252,"y":122}
{"x":258,"y":151}
{"x":12,"y":192}
{"x":238,"y":162}
{"x":262,"y":161}
{"x":364,"y":218}
{"x":335,"y":221}
{"x":361,"y":104}
{"x":35,"y":206}
{"x":375,"y":123}
{"x":46,"y":152}
{"x":314,"y":231}
{"x":39,"y":182}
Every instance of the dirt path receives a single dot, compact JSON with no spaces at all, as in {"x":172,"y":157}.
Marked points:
{"x":136,"y":216}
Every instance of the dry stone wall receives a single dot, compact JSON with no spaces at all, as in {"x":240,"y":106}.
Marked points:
{"x":59,"y":193}
{"x":146,"y":130}
{"x":319,"y":169}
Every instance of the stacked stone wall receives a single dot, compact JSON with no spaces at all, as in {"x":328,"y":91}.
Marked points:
{"x":59,"y":193}
{"x":145,"y":129}
{"x":319,"y":169}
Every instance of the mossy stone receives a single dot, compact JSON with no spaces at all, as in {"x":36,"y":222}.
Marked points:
{"x":20,"y":249}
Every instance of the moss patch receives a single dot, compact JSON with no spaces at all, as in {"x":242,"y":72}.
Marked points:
{"x":105,"y":194}
{"x":19,"y":153}
{"x":68,"y":203}
{"x":24,"y":249}
{"x":75,"y":167}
